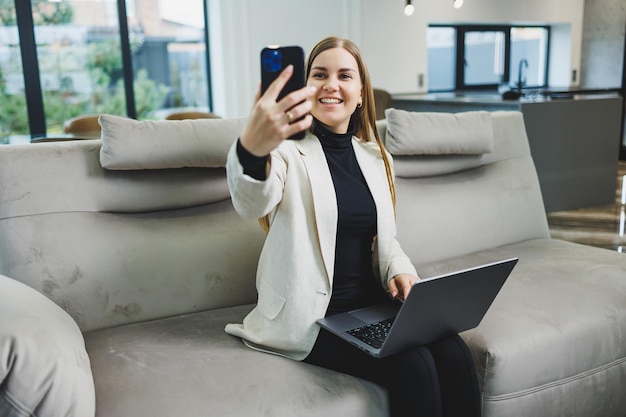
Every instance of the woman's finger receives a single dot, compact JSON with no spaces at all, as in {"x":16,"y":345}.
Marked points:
{"x":274,"y":89}
{"x":299,"y":126}
{"x":297,"y":98}
{"x":393,"y":288}
{"x":301,"y":107}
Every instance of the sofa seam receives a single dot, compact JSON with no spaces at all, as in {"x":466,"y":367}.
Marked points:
{"x":482,"y":394}
{"x":96,"y":211}
{"x":563,"y":381}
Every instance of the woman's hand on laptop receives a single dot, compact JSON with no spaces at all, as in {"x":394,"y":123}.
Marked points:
{"x":401,"y":284}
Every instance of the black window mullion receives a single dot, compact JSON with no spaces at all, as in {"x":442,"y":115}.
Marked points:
{"x":30,"y":68}
{"x":622,"y":148}
{"x":459,"y":76}
{"x":507,"y":56}
{"x":127,"y":64}
{"x":208,"y":56}
{"x":547,"y":56}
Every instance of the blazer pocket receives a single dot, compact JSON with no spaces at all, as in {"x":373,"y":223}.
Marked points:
{"x":270,"y":302}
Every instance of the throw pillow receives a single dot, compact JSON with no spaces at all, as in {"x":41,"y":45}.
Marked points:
{"x":430,"y":133}
{"x":129,"y":144}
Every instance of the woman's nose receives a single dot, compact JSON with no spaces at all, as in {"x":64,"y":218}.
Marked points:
{"x":330,"y":85}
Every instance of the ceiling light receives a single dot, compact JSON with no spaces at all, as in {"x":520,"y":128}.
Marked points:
{"x":408,"y":9}
{"x":457,"y":4}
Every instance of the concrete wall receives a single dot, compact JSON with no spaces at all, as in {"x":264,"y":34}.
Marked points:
{"x":603,"y":43}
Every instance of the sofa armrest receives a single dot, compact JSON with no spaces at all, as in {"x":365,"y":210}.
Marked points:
{"x":44,"y":367}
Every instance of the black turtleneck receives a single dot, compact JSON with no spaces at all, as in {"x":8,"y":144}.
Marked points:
{"x":354,"y":284}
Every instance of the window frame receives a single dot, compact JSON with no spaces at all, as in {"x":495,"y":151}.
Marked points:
{"x":461,"y":32}
{"x":459,"y":45}
{"x":31,"y":72}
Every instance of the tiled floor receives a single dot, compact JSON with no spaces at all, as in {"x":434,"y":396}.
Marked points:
{"x":603,"y":226}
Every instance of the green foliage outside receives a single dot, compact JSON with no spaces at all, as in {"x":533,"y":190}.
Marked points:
{"x":45,"y":12}
{"x":101,"y":60}
{"x":13,"y":117}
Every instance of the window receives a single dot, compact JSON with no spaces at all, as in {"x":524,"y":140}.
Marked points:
{"x":529,"y":50}
{"x":441,"y":58}
{"x":63,"y":58}
{"x":13,"y":115}
{"x":484,"y":57}
{"x":482,"y":53}
{"x":78,"y":51}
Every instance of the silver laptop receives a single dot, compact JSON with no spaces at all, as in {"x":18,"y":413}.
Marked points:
{"x":436,"y":307}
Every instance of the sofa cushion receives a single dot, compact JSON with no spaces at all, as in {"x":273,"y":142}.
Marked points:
{"x":555,"y":330}
{"x":156,"y":144}
{"x":57,"y":177}
{"x":188,"y":366}
{"x":431,"y":144}
{"x":44,"y":367}
{"x":430,"y":133}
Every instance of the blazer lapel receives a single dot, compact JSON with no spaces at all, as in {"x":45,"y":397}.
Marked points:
{"x":324,"y":199}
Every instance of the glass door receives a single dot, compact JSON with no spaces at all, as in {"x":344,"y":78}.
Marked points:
{"x":13,"y":113}
{"x":63,"y":58}
{"x":172,"y":55}
{"x":79,"y":57}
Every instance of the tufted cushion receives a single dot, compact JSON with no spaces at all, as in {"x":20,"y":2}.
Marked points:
{"x":426,"y":133}
{"x":129,"y":144}
{"x":44,"y":367}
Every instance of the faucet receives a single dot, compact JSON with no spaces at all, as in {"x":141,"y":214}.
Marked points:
{"x":521,"y":81}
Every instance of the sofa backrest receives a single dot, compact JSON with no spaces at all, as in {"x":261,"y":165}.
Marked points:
{"x":123,"y":245}
{"x":115,"y":247}
{"x":451,"y":205}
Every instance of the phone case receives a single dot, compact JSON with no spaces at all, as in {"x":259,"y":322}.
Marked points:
{"x":273,"y":60}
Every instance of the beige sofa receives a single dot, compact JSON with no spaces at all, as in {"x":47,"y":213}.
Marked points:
{"x":117,"y":282}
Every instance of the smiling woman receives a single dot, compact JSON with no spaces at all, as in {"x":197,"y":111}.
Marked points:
{"x":327,"y":204}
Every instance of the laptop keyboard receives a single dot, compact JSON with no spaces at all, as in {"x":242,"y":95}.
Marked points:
{"x":373,"y":334}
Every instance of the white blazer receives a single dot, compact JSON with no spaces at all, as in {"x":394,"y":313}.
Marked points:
{"x":295,"y":270}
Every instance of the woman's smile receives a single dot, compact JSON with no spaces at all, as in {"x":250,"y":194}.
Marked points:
{"x":331,"y":100}
{"x":335,"y":74}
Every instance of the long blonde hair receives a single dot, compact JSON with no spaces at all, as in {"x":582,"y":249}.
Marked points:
{"x":364,"y":117}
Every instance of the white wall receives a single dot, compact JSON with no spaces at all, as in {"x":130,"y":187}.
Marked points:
{"x":393,"y":44}
{"x":246,"y":26}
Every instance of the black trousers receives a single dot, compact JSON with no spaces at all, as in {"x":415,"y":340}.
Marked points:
{"x":437,"y":380}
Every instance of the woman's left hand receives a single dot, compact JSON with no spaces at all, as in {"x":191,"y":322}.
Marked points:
{"x":401,"y":284}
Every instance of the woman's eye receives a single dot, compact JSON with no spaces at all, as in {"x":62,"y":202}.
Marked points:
{"x":346,"y":76}
{"x":318,"y":75}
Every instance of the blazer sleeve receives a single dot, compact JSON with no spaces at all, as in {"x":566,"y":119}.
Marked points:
{"x":254,"y":198}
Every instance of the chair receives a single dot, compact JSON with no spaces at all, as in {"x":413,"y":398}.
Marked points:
{"x":86,"y":126}
{"x":382,"y":101}
{"x":182,"y":115}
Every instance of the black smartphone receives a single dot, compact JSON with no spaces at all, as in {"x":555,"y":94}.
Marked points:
{"x":273,"y":60}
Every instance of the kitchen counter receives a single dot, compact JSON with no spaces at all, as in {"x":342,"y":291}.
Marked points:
{"x":494,"y":100}
{"x":574,"y":137}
